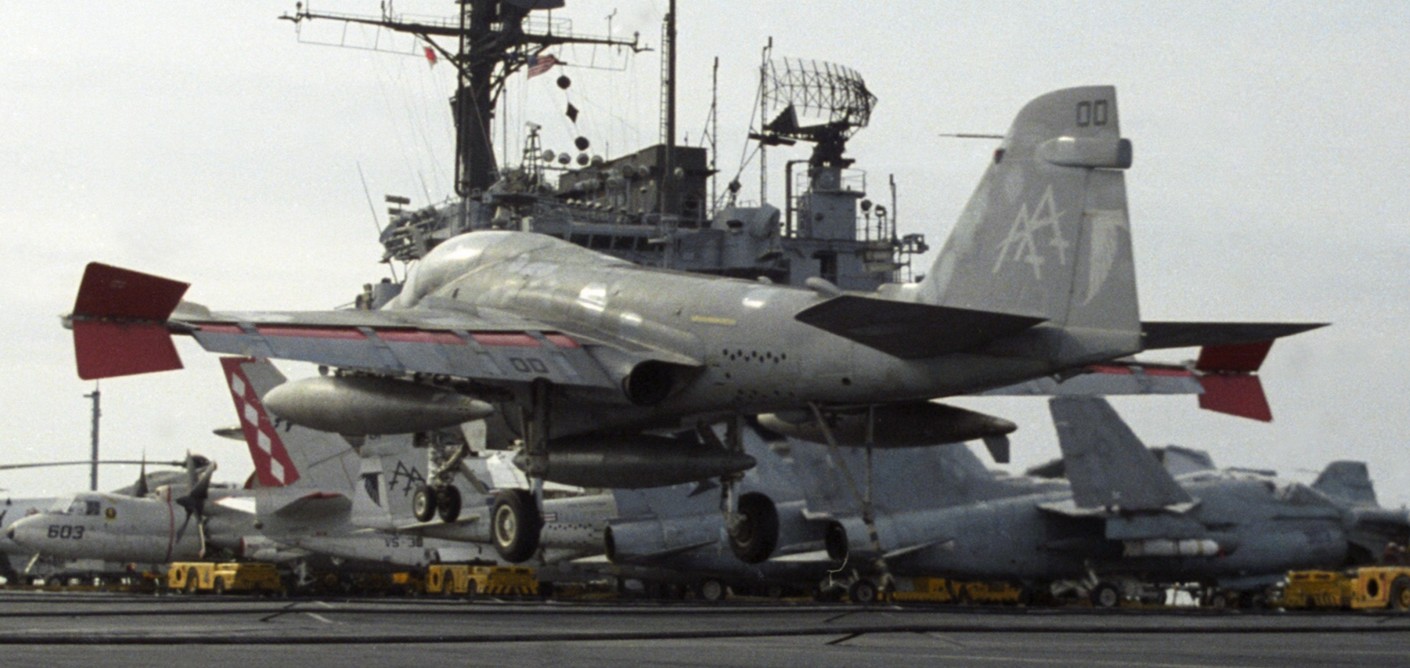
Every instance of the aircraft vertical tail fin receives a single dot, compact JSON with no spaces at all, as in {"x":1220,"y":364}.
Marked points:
{"x":387,"y":478}
{"x":1347,"y":481}
{"x":1106,"y":463}
{"x":1046,"y":233}
{"x":284,"y":454}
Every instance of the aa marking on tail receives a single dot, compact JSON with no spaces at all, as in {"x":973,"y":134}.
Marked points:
{"x":410,"y":475}
{"x":1021,"y":235}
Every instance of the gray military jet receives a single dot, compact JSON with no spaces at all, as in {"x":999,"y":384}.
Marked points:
{"x":1122,"y":519}
{"x":590,"y":359}
{"x":1125,"y":519}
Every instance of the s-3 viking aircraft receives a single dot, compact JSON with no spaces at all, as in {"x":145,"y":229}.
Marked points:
{"x":591,"y":358}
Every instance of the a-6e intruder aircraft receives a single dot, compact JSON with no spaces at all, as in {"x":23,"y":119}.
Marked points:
{"x":592,"y":359}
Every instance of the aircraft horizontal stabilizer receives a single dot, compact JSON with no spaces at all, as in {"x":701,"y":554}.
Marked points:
{"x":909,"y":330}
{"x":1159,"y":335}
{"x":1225,"y":378}
{"x":810,"y":557}
{"x":119,"y":322}
{"x":944,"y":543}
{"x":437,"y":528}
{"x":315,"y":506}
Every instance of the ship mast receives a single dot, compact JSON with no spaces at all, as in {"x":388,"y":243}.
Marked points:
{"x":492,"y":39}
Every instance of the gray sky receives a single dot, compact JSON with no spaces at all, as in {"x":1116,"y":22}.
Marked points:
{"x":204,"y":142}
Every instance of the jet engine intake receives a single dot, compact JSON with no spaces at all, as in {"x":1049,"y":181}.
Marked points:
{"x":835,"y":540}
{"x":650,"y":382}
{"x":755,"y":536}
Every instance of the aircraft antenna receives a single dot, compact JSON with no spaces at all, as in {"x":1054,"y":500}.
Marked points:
{"x":486,"y":42}
{"x":368,"y":194}
{"x":96,"y":396}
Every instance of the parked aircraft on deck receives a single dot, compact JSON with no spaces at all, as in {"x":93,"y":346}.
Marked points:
{"x":600,"y":366}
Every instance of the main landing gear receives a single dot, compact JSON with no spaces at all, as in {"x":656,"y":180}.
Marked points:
{"x":750,"y":521}
{"x":441,"y":497}
{"x":861,"y":589}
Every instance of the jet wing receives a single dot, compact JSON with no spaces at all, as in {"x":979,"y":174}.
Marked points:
{"x":495,"y":349}
{"x":122,"y":320}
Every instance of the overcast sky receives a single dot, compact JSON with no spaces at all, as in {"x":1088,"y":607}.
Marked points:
{"x":207,"y":142}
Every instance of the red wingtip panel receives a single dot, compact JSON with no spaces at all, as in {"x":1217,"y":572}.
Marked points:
{"x":114,"y":292}
{"x":1235,"y":395}
{"x":1240,"y":357}
{"x":107,"y":349}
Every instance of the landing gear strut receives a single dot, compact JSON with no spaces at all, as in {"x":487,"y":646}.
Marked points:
{"x":867,"y":589}
{"x":517,"y":519}
{"x":744,"y":529}
{"x":440,"y":496}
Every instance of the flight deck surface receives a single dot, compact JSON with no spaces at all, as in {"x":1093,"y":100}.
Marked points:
{"x":70,"y":629}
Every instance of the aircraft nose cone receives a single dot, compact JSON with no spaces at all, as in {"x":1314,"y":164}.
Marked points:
{"x":25,"y":532}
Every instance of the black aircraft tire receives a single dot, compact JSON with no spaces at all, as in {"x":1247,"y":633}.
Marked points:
{"x":423,"y":503}
{"x":711,"y":590}
{"x":516,"y":524}
{"x":1400,"y":594}
{"x":448,"y":504}
{"x":1106,"y":595}
{"x":862,"y":592}
{"x":753,"y":540}
{"x":1223,"y":600}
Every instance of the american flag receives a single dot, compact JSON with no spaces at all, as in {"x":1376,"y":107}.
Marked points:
{"x":540,"y":64}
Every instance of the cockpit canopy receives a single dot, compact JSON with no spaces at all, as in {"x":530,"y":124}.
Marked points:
{"x":81,"y":505}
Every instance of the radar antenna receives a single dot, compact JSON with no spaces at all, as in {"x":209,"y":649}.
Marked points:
{"x":818,"y":102}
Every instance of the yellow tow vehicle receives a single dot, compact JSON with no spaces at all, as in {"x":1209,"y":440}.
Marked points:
{"x":472,"y":580}
{"x":1365,"y":588}
{"x":219,"y":578}
{"x":942,"y":590}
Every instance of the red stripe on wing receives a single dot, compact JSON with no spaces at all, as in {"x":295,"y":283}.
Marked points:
{"x":312,"y":332}
{"x":419,"y":336}
{"x":562,"y":341}
{"x":505,"y":339}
